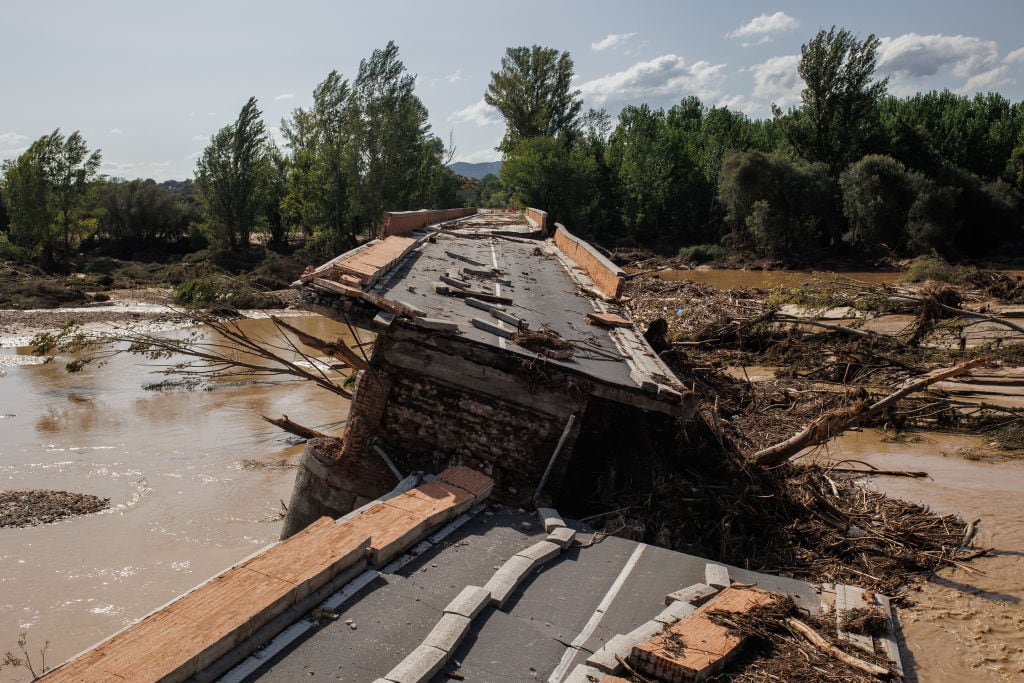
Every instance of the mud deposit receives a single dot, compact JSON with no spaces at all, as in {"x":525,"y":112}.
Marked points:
{"x":29,"y":508}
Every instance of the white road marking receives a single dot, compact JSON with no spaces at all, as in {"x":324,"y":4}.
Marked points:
{"x":563,"y":666}
{"x":497,"y":292}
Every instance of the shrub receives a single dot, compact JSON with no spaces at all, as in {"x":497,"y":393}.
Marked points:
{"x":704,"y":253}
{"x":218,"y":291}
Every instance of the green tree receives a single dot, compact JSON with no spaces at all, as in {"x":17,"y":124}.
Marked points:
{"x":776,"y":207}
{"x":877,"y":195}
{"x":45,"y":188}
{"x":838,"y":113}
{"x":139,"y":213}
{"x":230,"y":177}
{"x":533,"y":92}
{"x":391,"y":134}
{"x":541,"y":173}
{"x":323,"y":175}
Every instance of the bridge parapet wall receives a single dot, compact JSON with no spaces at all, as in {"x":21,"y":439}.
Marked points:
{"x":539,"y":217}
{"x":608,"y":277}
{"x":404,"y":222}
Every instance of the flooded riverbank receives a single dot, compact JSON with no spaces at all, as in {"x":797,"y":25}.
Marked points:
{"x":967,"y":624}
{"x":195,"y":479}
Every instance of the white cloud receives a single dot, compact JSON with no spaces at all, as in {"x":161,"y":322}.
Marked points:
{"x":741,"y":103}
{"x":284,"y":96}
{"x":1015,"y":56}
{"x":667,"y":75}
{"x":454,"y":77}
{"x":193,"y":156}
{"x":776,"y":80}
{"x":200,"y":138}
{"x":485,"y":154}
{"x":763,"y":27}
{"x":116,"y":131}
{"x":139,"y":169}
{"x":12,"y":145}
{"x":480,"y":113}
{"x":611,"y":40}
{"x":911,"y":58}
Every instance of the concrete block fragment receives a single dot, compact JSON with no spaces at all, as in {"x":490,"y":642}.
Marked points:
{"x":541,"y":552}
{"x":454,"y":280}
{"x":646,"y":630}
{"x":476,"y":303}
{"x":505,"y":581}
{"x":436,"y":324}
{"x":383,"y":320}
{"x":488,"y":326}
{"x":604,"y":659}
{"x":441,"y":288}
{"x":584,"y":673}
{"x":716,"y":575}
{"x":419,"y":666}
{"x":509,"y":318}
{"x":563,"y":536}
{"x":448,"y":632}
{"x":414,"y":311}
{"x":698,"y":594}
{"x":550,"y":518}
{"x":469,"y":601}
{"x":677,"y":611}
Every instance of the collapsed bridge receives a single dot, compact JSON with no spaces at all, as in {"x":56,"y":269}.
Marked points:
{"x":499,"y":341}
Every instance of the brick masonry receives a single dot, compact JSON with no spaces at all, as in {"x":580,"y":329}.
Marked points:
{"x":404,"y":222}
{"x":608,"y":277}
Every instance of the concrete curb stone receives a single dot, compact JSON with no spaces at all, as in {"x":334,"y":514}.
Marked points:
{"x":541,"y":552}
{"x":550,"y":518}
{"x":419,"y":665}
{"x":469,"y":602}
{"x":563,"y":536}
{"x":448,"y":632}
{"x":505,"y":581}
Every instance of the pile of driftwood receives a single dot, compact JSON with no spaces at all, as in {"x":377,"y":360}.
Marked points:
{"x":757,"y":508}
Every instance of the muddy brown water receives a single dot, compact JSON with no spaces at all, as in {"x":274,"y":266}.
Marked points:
{"x":186,"y":500}
{"x":766,"y":279}
{"x":966,"y":625}
{"x":721,"y":278}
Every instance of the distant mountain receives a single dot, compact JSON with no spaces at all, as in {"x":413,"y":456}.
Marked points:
{"x":476,"y":171}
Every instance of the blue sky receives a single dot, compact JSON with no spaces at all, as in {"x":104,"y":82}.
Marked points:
{"x":149,"y":83}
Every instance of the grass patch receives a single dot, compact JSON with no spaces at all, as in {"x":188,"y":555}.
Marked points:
{"x":936,"y":268}
{"x":219,"y":291}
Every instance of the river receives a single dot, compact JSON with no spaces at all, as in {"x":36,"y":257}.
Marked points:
{"x":967,"y":624}
{"x":195,"y":479}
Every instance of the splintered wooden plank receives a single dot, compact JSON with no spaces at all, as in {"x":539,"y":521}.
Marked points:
{"x":849,"y":598}
{"x":695,"y":647}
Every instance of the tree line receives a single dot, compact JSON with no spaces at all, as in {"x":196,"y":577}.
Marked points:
{"x":362,"y":148}
{"x":852,"y":171}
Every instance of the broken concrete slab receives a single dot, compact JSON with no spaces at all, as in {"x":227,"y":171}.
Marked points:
{"x":563,"y":536}
{"x":436,"y":324}
{"x":622,"y":645}
{"x":488,"y":326}
{"x":716,"y":575}
{"x":697,"y":594}
{"x":469,"y":602}
{"x":677,"y":611}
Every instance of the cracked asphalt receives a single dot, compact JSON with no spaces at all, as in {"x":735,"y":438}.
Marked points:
{"x":525,"y":640}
